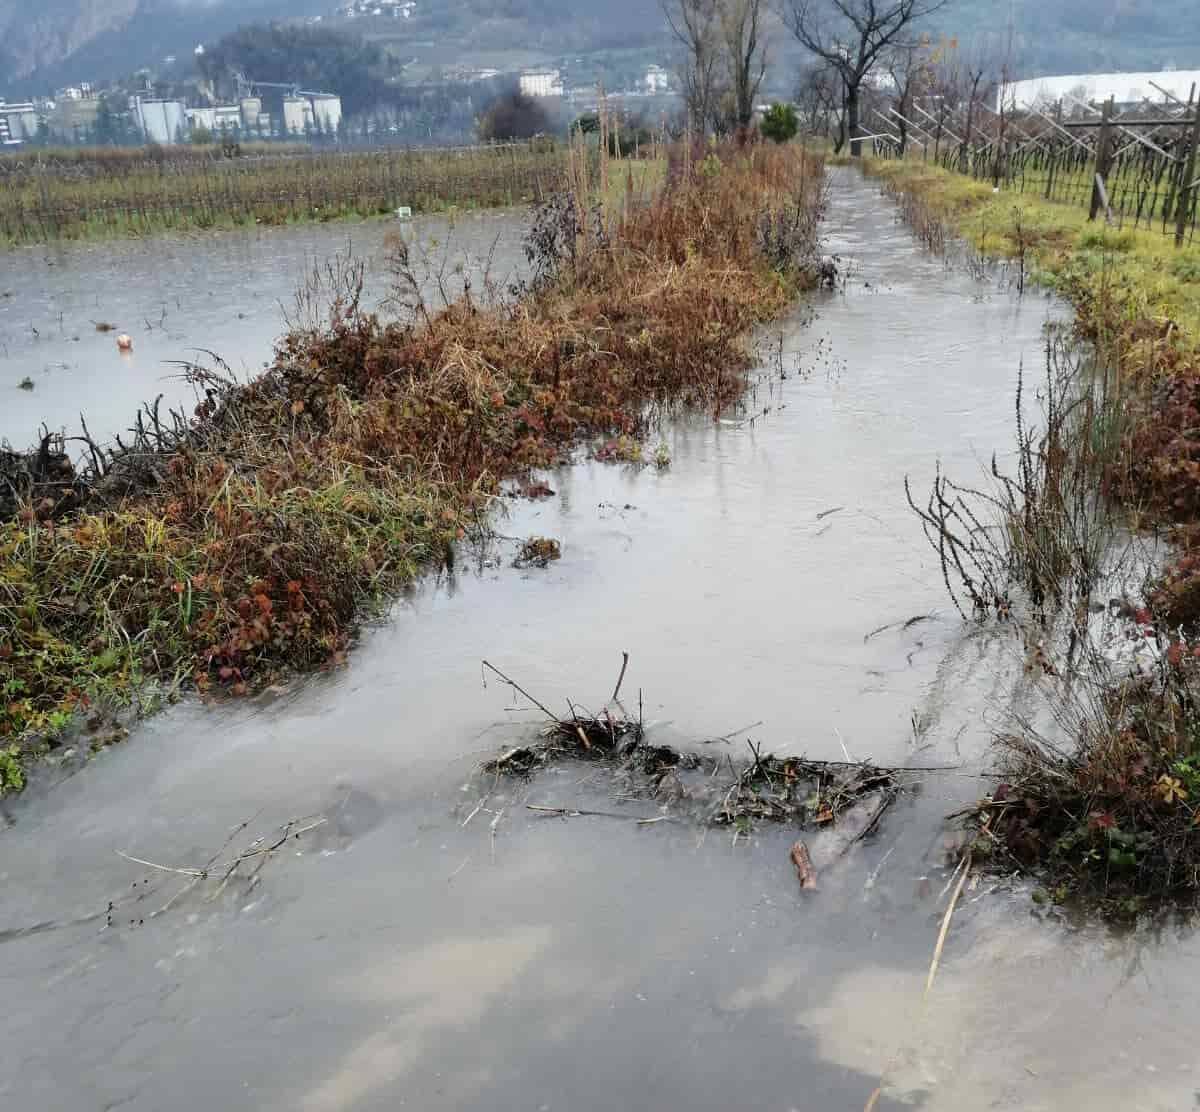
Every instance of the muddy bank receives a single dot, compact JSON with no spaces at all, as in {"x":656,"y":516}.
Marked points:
{"x":390,"y":960}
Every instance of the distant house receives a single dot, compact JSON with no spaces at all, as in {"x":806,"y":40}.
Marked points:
{"x":656,"y":80}
{"x":541,"y":83}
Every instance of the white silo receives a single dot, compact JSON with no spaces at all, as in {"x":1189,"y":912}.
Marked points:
{"x":327,"y":112}
{"x":297,"y":115}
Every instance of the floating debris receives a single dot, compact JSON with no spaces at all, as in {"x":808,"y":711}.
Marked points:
{"x":842,"y":802}
{"x":124,"y":343}
{"x":805,"y":872}
{"x":25,"y":384}
{"x":537,"y":552}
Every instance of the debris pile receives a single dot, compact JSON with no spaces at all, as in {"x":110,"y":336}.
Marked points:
{"x":843,"y":799}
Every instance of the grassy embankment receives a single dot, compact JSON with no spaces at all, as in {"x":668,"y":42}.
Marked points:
{"x":77,"y":195}
{"x":1110,"y":804}
{"x":247,"y":540}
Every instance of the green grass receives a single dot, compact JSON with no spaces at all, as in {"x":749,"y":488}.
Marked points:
{"x":1139,"y":271}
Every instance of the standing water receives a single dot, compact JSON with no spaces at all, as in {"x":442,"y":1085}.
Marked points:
{"x":402,"y":956}
{"x":63,"y":305}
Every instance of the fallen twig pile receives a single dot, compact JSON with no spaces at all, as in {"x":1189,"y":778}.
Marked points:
{"x":845,"y":798}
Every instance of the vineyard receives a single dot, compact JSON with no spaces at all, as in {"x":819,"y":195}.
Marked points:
{"x":77,"y":195}
{"x":1135,"y":167}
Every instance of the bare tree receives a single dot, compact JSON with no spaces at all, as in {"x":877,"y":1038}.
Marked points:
{"x":820,"y":100}
{"x":908,"y":64}
{"x":852,"y":36}
{"x":745,"y":53}
{"x":696,"y":26}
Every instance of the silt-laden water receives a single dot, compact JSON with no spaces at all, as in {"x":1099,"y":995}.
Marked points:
{"x":395,"y":958}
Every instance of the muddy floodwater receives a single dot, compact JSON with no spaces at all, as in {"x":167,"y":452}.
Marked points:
{"x":177,"y":297}
{"x":397,"y":958}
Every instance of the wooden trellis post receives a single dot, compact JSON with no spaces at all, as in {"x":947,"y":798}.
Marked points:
{"x":1103,"y":160}
{"x":1188,"y":183}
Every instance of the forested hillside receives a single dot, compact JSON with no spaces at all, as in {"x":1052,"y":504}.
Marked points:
{"x":59,"y":41}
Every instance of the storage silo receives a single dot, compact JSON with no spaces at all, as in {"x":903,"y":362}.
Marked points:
{"x":161,"y":121}
{"x":327,"y":112}
{"x":297,"y":115}
{"x":251,"y":110}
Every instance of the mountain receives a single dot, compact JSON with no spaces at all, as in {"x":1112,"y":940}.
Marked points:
{"x":58,"y":42}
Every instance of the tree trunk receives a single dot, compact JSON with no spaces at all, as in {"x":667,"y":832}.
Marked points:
{"x":852,"y":122}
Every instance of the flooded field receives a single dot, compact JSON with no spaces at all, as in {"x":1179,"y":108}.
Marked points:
{"x":178,"y":296}
{"x":401,"y":956}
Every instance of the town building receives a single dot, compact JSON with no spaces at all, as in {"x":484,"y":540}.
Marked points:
{"x":656,"y":80}
{"x":540,"y":83}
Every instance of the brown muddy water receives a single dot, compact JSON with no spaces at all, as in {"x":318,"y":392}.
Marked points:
{"x":395,"y":958}
{"x":177,"y":296}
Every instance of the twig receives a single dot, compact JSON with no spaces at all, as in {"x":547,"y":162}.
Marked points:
{"x":726,"y":738}
{"x":200,"y":874}
{"x":877,"y":1092}
{"x":842,"y":742}
{"x":574,"y":812}
{"x":517,"y":687}
{"x":624,"y":664}
{"x":492,"y":828}
{"x":937,"y":950}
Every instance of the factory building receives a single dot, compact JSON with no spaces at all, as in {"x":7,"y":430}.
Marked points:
{"x":161,"y":121}
{"x":73,"y":117}
{"x":327,"y":112}
{"x":18,"y":122}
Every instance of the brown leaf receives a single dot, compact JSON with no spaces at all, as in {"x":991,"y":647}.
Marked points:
{"x":804,"y":866}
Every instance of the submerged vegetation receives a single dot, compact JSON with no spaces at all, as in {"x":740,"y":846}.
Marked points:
{"x":220,"y":548}
{"x":86,"y":193}
{"x":1101,"y":793}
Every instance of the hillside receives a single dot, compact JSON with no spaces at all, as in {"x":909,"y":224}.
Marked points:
{"x":64,"y":41}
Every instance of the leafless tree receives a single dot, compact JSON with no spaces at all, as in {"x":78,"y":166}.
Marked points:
{"x":852,"y":36}
{"x":820,"y":100}
{"x":697,"y":28}
{"x":908,"y":65}
{"x":745,"y":53}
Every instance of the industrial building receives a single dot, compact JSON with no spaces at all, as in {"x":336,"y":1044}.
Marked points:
{"x":160,"y":121}
{"x":73,"y":117}
{"x":327,"y":112}
{"x":1123,"y":88}
{"x":18,"y":122}
{"x":297,"y":115}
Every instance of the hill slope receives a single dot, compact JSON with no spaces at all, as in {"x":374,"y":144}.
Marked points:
{"x":63,"y":41}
